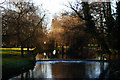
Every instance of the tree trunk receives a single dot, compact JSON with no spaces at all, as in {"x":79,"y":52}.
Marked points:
{"x":27,"y":48}
{"x":92,"y":29}
{"x":22,"y":77}
{"x":22,"y":52}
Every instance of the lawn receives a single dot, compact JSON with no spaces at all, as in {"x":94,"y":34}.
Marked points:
{"x":14,"y":51}
{"x":12,"y":62}
{"x":15,"y":65}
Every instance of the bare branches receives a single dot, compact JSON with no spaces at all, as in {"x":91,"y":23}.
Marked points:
{"x":75,"y":10}
{"x":3,"y":2}
{"x":24,"y":21}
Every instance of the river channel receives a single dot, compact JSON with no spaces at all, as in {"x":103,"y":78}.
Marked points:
{"x":65,"y":69}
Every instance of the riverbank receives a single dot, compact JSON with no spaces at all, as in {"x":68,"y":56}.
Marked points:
{"x":14,"y":65}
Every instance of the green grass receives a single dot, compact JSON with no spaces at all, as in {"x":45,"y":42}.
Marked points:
{"x":15,"y":65}
{"x":16,"y":61}
{"x":11,"y":59}
{"x":12,"y":62}
{"x":13,"y":51}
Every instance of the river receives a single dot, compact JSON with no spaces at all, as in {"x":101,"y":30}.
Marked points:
{"x":65,"y":69}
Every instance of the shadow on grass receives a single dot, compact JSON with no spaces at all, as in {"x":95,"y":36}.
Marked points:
{"x":14,"y":65}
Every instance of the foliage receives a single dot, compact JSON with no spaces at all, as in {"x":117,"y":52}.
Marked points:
{"x":101,"y":22}
{"x":22,"y":25}
{"x":68,"y":30}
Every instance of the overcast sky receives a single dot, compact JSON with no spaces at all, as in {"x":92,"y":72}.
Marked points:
{"x":54,"y":6}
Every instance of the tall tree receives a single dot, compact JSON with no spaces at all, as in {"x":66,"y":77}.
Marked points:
{"x":68,"y":30}
{"x":22,"y":23}
{"x":116,"y":29}
{"x":90,"y":22}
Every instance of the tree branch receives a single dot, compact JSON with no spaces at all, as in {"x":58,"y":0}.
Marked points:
{"x":81,"y":17}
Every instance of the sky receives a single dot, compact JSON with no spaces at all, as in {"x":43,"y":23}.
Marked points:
{"x":53,"y":7}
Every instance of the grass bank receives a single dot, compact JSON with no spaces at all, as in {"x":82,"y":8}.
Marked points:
{"x":13,"y":64}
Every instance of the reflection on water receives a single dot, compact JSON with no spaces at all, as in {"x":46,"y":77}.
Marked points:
{"x":93,"y":70}
{"x":42,"y":70}
{"x":65,"y":70}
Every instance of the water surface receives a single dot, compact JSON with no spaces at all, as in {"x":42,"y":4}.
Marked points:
{"x":65,"y":69}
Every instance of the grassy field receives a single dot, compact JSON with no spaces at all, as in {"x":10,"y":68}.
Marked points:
{"x":12,"y":62}
{"x":14,"y":51}
{"x":15,"y":65}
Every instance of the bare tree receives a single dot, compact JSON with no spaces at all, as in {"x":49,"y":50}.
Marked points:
{"x":22,"y":23}
{"x":94,"y":14}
